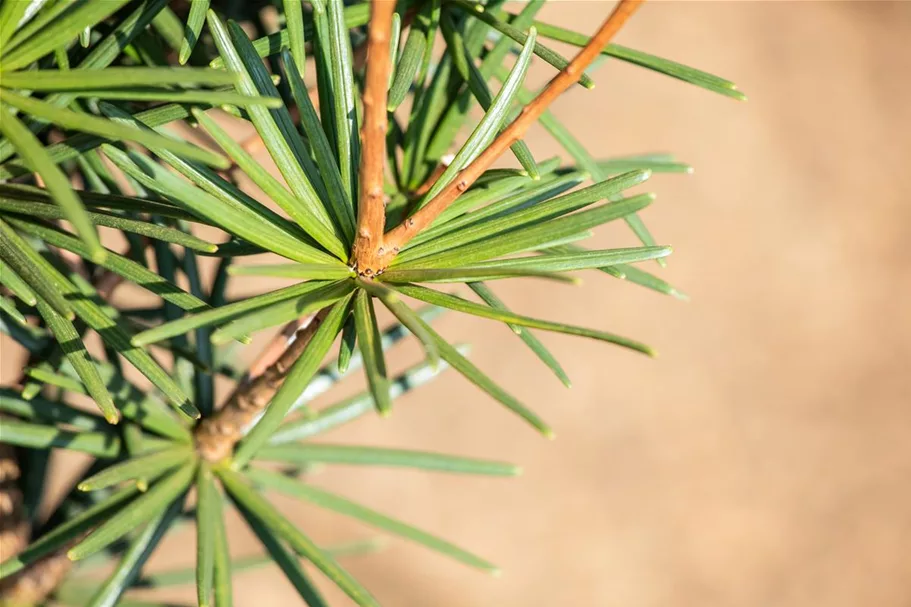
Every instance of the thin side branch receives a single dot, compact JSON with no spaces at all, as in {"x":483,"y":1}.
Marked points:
{"x":371,"y":207}
{"x":216,"y":436}
{"x":396,"y":238}
{"x":272,"y":352}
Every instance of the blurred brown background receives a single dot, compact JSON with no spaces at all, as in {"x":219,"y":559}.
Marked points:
{"x":763,"y":458}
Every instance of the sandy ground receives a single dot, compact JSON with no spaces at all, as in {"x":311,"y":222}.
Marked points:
{"x":763,"y":458}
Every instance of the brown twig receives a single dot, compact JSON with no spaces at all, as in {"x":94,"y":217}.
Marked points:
{"x":371,"y":207}
{"x":216,"y":436}
{"x":272,"y":352}
{"x":396,"y":238}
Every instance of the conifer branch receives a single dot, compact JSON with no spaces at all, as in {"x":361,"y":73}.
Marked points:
{"x":144,"y":183}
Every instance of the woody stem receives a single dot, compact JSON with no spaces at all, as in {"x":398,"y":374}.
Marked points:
{"x":371,"y":208}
